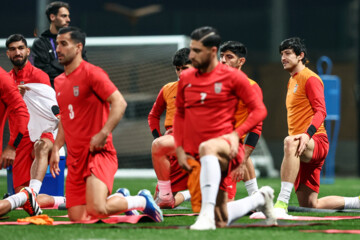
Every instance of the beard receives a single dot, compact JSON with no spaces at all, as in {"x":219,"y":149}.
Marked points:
{"x":203,"y":65}
{"x":19,"y":62}
{"x":66,"y":60}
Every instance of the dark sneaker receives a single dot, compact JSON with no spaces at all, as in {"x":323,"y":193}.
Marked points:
{"x":126,"y":193}
{"x":31,"y":206}
{"x":151,"y":209}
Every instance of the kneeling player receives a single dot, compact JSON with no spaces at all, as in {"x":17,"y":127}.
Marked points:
{"x":85,"y":94}
{"x":171,"y":189}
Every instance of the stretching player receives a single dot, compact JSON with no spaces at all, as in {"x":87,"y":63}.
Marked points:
{"x":206,"y":101}
{"x":31,"y":159}
{"x":233,"y":54}
{"x":85,"y":94}
{"x":12,"y":103}
{"x":306,"y":147}
{"x":171,"y":189}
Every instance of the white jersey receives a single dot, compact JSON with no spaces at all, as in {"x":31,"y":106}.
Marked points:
{"x":41,"y":103}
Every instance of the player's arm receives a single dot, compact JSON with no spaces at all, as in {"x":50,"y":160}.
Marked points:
{"x":256,"y":108}
{"x":315,"y":93}
{"x":117,"y":110}
{"x":155,"y":113}
{"x":17,"y":108}
{"x":179,"y":128}
{"x":255,"y":133}
{"x":55,"y":156}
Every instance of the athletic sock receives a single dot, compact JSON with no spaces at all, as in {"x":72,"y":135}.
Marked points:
{"x":136,"y":202}
{"x":239,"y":208}
{"x":352,"y":202}
{"x":59,"y":200}
{"x":165,"y":192}
{"x":285,"y":193}
{"x":210,"y":176}
{"x":115,"y":194}
{"x":251,"y":186}
{"x":186,"y":195}
{"x":17,"y":200}
{"x":35,"y":185}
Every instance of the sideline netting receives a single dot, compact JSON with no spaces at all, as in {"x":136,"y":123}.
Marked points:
{"x":139,"y":67}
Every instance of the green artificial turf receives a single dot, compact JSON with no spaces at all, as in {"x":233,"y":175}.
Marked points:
{"x":342,"y":186}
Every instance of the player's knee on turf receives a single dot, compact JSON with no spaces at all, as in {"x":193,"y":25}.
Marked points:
{"x":96,"y":210}
{"x":307,"y":197}
{"x":5,"y":207}
{"x":78,"y":213}
{"x":179,"y":199}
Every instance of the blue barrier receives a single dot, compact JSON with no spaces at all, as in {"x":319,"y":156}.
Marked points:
{"x":332,"y":92}
{"x":51,"y":186}
{"x":54,"y":186}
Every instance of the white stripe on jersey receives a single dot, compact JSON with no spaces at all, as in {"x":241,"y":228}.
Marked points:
{"x":39,"y":101}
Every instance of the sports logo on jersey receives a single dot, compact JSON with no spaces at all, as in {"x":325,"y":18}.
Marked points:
{"x":217,"y":87}
{"x":295,"y":88}
{"x":76,"y":91}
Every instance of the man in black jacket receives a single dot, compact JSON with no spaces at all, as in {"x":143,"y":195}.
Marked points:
{"x":44,"y":48}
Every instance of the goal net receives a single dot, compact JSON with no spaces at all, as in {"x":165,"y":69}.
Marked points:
{"x":139,"y":67}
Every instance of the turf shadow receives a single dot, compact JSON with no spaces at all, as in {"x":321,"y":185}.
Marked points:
{"x":260,"y":224}
{"x":305,"y":209}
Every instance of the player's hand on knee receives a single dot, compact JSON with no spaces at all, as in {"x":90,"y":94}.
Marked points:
{"x":7,"y":157}
{"x":303,"y":141}
{"x":233,"y":138}
{"x":98,"y":141}
{"x":182,"y":159}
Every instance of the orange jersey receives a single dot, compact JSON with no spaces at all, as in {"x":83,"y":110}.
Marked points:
{"x":164,"y":101}
{"x":242,"y":112}
{"x":169,"y":94}
{"x":305,"y":103}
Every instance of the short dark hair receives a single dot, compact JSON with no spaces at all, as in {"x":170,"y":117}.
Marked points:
{"x":209,"y":36}
{"x":181,"y":57}
{"x":76,"y":34}
{"x":296,"y":44}
{"x":53,"y":8}
{"x":15,"y":38}
{"x":235,"y":47}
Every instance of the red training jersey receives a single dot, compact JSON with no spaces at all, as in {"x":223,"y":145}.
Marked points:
{"x":28,"y":74}
{"x":81,"y":96}
{"x":305,"y":103}
{"x":12,"y":103}
{"x":164,"y":101}
{"x":206,"y":105}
